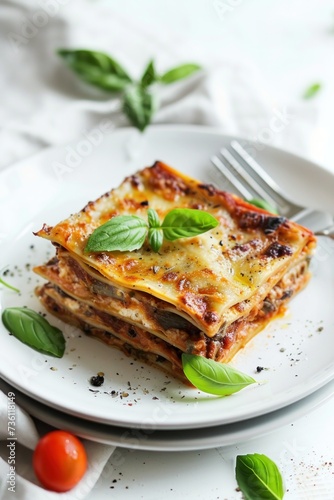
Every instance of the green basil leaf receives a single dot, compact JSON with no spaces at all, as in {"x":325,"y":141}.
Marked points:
{"x":123,"y":232}
{"x":213,"y":377}
{"x":149,"y":76}
{"x":34,"y":330}
{"x":155,"y":238}
{"x":139,"y":105}
{"x":153,"y":218}
{"x":312,"y":90}
{"x":97,"y":68}
{"x":179,"y":72}
{"x":257,"y":202}
{"x":259,"y":478}
{"x":185,"y":222}
{"x":11,"y":287}
{"x":128,"y":232}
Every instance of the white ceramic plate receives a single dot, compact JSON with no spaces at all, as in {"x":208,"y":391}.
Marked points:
{"x":173,"y":440}
{"x":296,"y":351}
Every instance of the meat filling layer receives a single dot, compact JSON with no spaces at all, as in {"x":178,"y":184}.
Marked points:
{"x":164,"y":344}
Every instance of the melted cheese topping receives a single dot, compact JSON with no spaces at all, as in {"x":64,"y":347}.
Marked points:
{"x":204,"y":277}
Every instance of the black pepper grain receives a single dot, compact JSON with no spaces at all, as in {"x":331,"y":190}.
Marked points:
{"x":97,"y":380}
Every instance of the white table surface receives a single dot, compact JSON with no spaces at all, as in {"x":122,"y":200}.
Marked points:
{"x":292,"y":44}
{"x":303,"y":450}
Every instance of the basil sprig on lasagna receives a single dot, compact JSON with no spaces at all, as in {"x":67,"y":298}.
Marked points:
{"x":128,"y":232}
{"x":206,"y":296}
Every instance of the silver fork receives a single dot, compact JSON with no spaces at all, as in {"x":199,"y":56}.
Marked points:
{"x":252,"y":181}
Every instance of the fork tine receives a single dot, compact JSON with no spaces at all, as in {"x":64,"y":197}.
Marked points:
{"x":231,"y":177}
{"x":247,"y":178}
{"x":263,"y":178}
{"x":250,"y":180}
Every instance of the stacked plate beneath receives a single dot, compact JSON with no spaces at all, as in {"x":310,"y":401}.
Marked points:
{"x":173,"y":440}
{"x":138,"y":406}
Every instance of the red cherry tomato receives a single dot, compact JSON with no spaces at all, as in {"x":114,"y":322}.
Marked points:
{"x":59,"y":461}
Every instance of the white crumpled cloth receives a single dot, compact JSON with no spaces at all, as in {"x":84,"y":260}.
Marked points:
{"x":44,"y":104}
{"x":24,"y":482}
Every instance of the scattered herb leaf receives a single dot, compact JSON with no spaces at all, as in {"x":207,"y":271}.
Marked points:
{"x":312,"y":90}
{"x":11,"y":287}
{"x":128,"y":232}
{"x":257,"y":202}
{"x":213,"y":377}
{"x":33,"y":330}
{"x":259,"y":477}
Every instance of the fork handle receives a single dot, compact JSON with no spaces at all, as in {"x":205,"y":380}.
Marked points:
{"x":325,"y":233}
{"x":328,"y":231}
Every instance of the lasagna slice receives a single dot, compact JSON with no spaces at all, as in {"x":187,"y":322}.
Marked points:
{"x":206,"y":295}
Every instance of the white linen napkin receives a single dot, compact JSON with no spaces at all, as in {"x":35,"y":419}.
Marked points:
{"x":24,"y":485}
{"x":47,"y":105}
